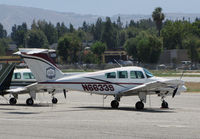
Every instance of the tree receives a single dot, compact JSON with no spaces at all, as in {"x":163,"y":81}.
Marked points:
{"x":119,"y":23}
{"x":36,"y":39}
{"x":71,"y":28}
{"x":108,"y":34}
{"x":3,"y":46}
{"x":144,"y":48}
{"x":3,"y":32}
{"x":98,"y":49}
{"x":89,"y":58}
{"x":130,"y":47}
{"x":19,"y":33}
{"x":68,"y":48}
{"x":98,"y":30}
{"x":49,"y":30}
{"x":192,"y":43}
{"x":174,"y":33}
{"x":85,"y":27}
{"x":158,"y":17}
{"x":61,"y":29}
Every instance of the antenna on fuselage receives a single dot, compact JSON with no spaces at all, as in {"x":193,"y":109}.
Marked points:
{"x":182,"y":75}
{"x":81,"y":68}
{"x":118,"y":63}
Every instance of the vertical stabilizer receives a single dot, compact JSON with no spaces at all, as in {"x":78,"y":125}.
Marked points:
{"x":41,"y":65}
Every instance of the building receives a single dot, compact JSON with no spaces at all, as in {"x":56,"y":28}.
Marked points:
{"x":175,"y":56}
{"x":110,"y":56}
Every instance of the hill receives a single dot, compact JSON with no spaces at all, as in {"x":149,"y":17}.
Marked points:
{"x":11,"y":15}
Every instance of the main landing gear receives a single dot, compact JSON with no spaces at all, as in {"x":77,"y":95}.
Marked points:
{"x":13,"y":101}
{"x":139,"y":105}
{"x":115,"y":103}
{"x":29,"y":101}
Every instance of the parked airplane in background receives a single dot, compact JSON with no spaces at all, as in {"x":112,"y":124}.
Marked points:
{"x":118,"y":82}
{"x":23,"y":82}
{"x":22,"y":77}
{"x":20,"y":81}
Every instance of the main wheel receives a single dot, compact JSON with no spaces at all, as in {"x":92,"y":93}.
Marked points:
{"x":114,"y":104}
{"x":54,"y":100}
{"x":164,"y":104}
{"x":13,"y":101}
{"x":139,"y":105}
{"x":29,"y":102}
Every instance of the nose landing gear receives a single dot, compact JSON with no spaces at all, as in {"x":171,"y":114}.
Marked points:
{"x":164,"y":104}
{"x":54,"y":100}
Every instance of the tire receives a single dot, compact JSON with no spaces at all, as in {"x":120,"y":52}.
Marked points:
{"x":114,"y":104}
{"x":13,"y":101}
{"x":139,"y":105}
{"x":29,"y":102}
{"x":54,"y":100}
{"x":164,"y":104}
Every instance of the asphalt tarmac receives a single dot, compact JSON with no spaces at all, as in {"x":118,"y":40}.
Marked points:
{"x":85,"y":116}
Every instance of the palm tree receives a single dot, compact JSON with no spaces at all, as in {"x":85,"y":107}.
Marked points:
{"x":158,"y":17}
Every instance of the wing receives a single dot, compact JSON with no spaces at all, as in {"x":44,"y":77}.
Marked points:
{"x":19,"y":90}
{"x":147,"y":87}
{"x":24,"y":90}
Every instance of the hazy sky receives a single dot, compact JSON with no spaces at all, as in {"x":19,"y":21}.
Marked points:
{"x":111,"y":7}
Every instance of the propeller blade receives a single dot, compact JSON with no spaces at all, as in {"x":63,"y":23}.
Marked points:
{"x":174,"y":93}
{"x":64,"y":91}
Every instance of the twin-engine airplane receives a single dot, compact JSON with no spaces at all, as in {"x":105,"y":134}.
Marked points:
{"x":117,"y":82}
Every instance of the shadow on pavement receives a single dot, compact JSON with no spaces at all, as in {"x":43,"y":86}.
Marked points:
{"x":150,"y":110}
{"x":24,"y":105}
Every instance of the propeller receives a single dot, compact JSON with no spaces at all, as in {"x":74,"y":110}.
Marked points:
{"x":175,"y":91}
{"x":64,"y":91}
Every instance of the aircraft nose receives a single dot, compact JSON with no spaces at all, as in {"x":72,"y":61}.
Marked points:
{"x":182,"y":88}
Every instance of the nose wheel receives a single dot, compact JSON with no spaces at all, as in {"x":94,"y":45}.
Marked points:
{"x":139,"y":105}
{"x":114,"y":104}
{"x":164,"y":104}
{"x":54,"y":100}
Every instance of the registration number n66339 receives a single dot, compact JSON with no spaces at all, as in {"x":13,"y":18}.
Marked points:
{"x":98,"y":87}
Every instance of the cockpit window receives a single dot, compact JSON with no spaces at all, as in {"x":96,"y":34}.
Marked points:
{"x":28,"y":75}
{"x":148,"y":74}
{"x":122,"y":74}
{"x":133,"y":74}
{"x":16,"y":76}
{"x":136,"y":75}
{"x":111,"y":75}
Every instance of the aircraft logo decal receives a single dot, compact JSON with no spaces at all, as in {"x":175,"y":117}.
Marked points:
{"x":50,"y":73}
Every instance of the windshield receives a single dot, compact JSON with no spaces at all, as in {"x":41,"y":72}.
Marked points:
{"x":148,"y":74}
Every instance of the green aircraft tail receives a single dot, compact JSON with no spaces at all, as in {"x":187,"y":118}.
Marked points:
{"x":6,"y":72}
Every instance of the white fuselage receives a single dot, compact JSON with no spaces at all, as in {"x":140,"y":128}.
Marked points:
{"x":100,"y":83}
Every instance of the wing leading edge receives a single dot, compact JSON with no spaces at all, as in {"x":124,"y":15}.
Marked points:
{"x":147,"y":87}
